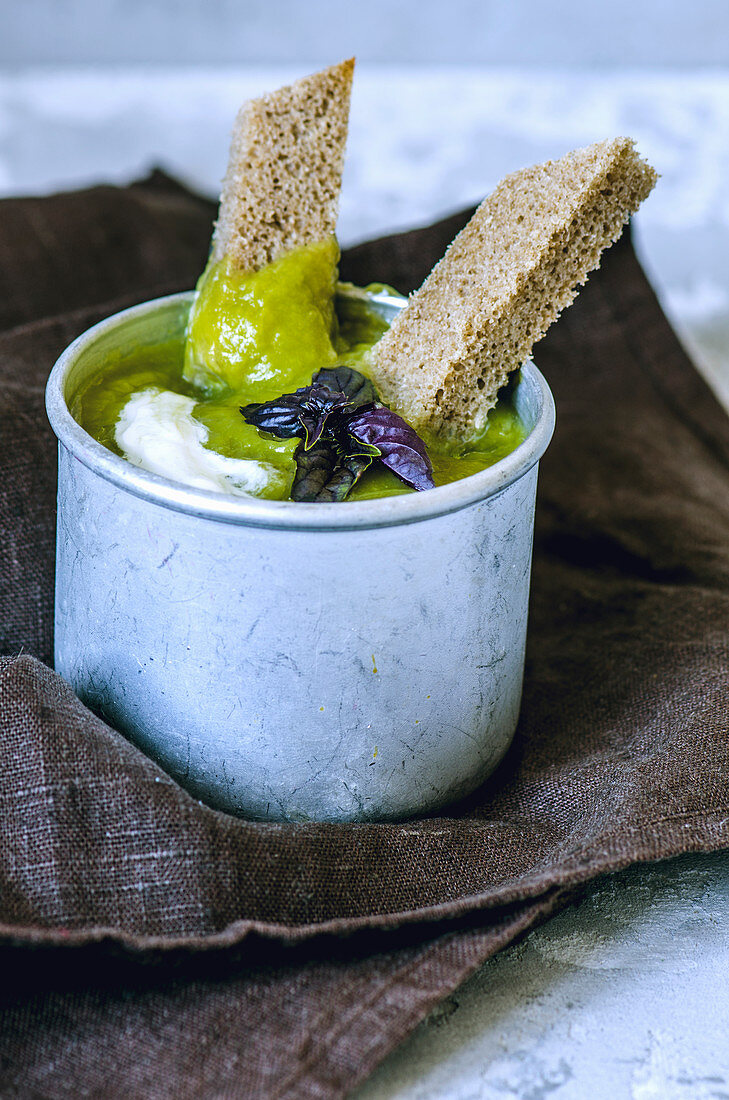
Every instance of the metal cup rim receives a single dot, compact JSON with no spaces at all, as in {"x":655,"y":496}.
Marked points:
{"x":284,"y":514}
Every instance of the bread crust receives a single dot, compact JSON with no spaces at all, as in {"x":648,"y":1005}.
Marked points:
{"x":281,"y":188}
{"x":504,"y":279}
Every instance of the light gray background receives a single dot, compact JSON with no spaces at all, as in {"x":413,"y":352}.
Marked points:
{"x":522,"y":32}
{"x":626,"y":994}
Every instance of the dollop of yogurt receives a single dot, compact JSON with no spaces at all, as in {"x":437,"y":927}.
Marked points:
{"x":157,"y":431}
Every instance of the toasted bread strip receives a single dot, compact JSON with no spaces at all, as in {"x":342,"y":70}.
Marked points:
{"x":281,"y":189}
{"x":502,"y":282}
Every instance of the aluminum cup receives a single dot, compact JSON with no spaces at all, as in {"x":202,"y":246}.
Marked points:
{"x":294,"y":662}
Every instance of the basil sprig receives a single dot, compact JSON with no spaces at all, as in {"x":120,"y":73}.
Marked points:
{"x":343,"y":427}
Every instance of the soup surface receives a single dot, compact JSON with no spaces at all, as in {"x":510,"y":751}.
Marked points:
{"x":174,"y":408}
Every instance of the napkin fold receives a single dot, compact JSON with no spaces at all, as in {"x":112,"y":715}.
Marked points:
{"x":156,"y":947}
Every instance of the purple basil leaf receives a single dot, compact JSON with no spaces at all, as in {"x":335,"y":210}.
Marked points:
{"x":348,"y":470}
{"x":281,"y":417}
{"x":349,"y":445}
{"x":303,"y":413}
{"x":343,"y":430}
{"x":323,"y":408}
{"x":321,"y":396}
{"x":324,"y":475}
{"x":358,"y":389}
{"x":401,"y":448}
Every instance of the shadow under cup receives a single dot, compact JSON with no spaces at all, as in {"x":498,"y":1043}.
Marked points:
{"x":287,"y":661}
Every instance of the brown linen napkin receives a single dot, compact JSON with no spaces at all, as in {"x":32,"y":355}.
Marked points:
{"x":154,"y":947}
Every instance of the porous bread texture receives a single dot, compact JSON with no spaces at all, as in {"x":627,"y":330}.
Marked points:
{"x":281,"y":188}
{"x":503,"y":280}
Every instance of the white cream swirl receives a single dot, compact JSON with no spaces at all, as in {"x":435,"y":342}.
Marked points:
{"x":157,"y":431}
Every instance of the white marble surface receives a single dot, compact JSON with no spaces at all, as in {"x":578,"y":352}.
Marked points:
{"x":621,"y":32}
{"x":622,"y":996}
{"x":626,"y":994}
